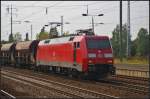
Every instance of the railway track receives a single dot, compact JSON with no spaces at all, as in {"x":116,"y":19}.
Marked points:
{"x":135,"y":80}
{"x":111,"y":88}
{"x":63,"y":89}
{"x":6,"y":95}
{"x":136,"y":88}
{"x":132,"y":83}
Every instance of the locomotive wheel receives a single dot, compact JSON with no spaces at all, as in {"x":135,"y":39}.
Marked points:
{"x":64,"y":71}
{"x":70,"y":73}
{"x":93,"y":77}
{"x":74,"y":73}
{"x":38,"y":68}
{"x":53,"y":69}
{"x":44,"y":69}
{"x":50,"y":69}
{"x":80,"y":76}
{"x":35,"y":68}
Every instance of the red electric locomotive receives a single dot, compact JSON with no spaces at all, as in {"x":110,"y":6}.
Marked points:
{"x":90,"y":56}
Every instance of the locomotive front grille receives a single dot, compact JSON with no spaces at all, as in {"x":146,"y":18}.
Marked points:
{"x":99,"y":68}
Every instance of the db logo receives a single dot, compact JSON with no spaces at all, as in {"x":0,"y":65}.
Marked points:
{"x":53,"y":53}
{"x":99,"y":51}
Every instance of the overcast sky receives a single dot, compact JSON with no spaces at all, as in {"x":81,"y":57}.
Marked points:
{"x":35,"y":11}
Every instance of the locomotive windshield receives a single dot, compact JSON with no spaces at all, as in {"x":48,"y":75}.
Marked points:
{"x":98,"y":44}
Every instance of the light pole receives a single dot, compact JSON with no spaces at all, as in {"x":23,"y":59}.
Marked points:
{"x":62,"y":25}
{"x":92,"y":24}
{"x":92,"y":19}
{"x":30,"y":27}
{"x":11,"y":20}
{"x":121,"y":30}
{"x":128,"y":29}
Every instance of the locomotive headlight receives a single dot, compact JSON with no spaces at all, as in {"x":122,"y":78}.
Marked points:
{"x":90,"y":61}
{"x":92,"y":55}
{"x":109,"y":61}
{"x":108,"y":55}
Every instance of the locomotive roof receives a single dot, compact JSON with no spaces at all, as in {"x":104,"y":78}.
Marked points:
{"x":6,"y":47}
{"x":97,"y":36}
{"x":66,"y":39}
{"x":56,"y":40}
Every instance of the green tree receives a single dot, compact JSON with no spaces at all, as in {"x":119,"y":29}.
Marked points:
{"x":116,"y":40}
{"x":4,"y":42}
{"x":133,"y":47}
{"x":42,"y":36}
{"x":142,"y":42}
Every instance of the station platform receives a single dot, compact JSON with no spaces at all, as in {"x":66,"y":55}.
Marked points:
{"x":135,"y":70}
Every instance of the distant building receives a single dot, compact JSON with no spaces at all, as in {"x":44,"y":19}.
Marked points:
{"x":17,"y":37}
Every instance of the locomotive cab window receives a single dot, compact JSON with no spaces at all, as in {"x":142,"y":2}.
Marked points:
{"x":98,"y":44}
{"x":74,"y":44}
{"x":78,"y":44}
{"x":71,"y":38}
{"x":46,"y":41}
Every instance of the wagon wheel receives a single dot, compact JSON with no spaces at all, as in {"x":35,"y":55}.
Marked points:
{"x":82,"y":76}
{"x":70,"y":73}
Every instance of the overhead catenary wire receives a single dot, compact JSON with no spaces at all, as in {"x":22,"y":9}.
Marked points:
{"x":106,"y":10}
{"x":55,"y":6}
{"x":79,"y":16}
{"x":78,"y":5}
{"x":64,"y":6}
{"x":34,"y":13}
{"x":82,"y":5}
{"x":75,"y":7}
{"x":32,"y":5}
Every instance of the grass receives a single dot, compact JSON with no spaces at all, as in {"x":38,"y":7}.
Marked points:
{"x":132,"y":60}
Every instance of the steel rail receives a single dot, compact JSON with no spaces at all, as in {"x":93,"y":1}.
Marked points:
{"x":130,"y":77}
{"x":38,"y":85}
{"x":8,"y":95}
{"x":126,"y":86}
{"x":93,"y":93}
